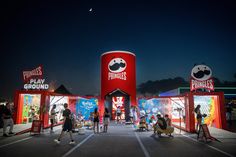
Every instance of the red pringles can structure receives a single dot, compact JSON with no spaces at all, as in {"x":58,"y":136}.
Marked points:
{"x":118,"y":82}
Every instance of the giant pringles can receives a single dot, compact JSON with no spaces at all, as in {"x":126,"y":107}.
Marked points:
{"x":118,"y":72}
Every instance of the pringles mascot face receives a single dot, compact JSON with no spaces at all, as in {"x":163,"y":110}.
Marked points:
{"x":201,"y":72}
{"x":117,"y":65}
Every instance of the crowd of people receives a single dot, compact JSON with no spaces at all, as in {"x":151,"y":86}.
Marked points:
{"x":157,"y":123}
{"x":67,"y":125}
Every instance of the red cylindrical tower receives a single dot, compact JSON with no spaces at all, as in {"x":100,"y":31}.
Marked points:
{"x":118,"y":77}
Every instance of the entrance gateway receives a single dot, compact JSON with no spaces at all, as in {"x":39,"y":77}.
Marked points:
{"x":118,"y":82}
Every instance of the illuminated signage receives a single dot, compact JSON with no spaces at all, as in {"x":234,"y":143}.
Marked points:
{"x":36,"y":84}
{"x":201,"y":78}
{"x":118,"y":101}
{"x":37,"y":72}
{"x":33,"y":79}
{"x":117,"y":68}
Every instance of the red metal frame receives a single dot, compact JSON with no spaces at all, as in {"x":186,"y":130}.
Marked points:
{"x":44,"y":113}
{"x":189,"y":109}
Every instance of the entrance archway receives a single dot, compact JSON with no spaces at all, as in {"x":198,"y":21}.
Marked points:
{"x":118,"y":98}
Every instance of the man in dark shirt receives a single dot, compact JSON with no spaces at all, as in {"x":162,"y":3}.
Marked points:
{"x":161,"y":123}
{"x":7,"y":120}
{"x":67,"y":125}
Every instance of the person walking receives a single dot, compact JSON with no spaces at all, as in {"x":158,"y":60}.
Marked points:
{"x":96,"y":120}
{"x":106,"y":119}
{"x":53,"y":117}
{"x":67,"y":125}
{"x":7,"y":120}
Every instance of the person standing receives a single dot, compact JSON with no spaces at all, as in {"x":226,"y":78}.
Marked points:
{"x":7,"y":120}
{"x":96,"y":120}
{"x":135,"y":114}
{"x":131,"y":114}
{"x":118,"y":114}
{"x":106,"y":119}
{"x":229,"y":113}
{"x":53,"y":117}
{"x":67,"y":125}
{"x":199,"y":116}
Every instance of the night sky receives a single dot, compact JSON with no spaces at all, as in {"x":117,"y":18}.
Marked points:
{"x":168,"y":38}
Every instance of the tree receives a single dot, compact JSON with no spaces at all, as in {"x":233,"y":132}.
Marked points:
{"x":155,"y":87}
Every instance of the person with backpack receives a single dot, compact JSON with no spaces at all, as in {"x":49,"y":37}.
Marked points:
{"x":67,"y":125}
{"x":160,"y":124}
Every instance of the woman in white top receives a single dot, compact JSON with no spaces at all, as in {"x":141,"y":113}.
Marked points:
{"x":53,"y":116}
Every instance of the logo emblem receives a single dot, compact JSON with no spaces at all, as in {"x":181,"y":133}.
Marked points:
{"x":201,"y":72}
{"x":117,"y":65}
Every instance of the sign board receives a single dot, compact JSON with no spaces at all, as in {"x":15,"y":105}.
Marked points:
{"x":35,"y":73}
{"x":117,"y":68}
{"x":201,"y":78}
{"x":36,"y":126}
{"x":204,"y":133}
{"x":33,"y":79}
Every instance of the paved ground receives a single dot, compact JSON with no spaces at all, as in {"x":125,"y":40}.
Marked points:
{"x":121,"y":140}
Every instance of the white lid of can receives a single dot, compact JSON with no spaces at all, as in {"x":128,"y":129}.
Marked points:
{"x":118,"y":51}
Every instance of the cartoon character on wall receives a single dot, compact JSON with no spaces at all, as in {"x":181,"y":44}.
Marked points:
{"x":84,"y":107}
{"x":26,"y":105}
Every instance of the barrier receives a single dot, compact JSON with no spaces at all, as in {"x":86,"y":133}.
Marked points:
{"x":203,"y":132}
{"x":36,"y":127}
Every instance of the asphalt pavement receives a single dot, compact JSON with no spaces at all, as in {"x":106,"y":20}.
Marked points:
{"x":120,"y":141}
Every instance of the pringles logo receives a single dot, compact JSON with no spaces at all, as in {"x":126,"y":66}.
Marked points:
{"x":117,"y":68}
{"x":201,"y":78}
{"x":33,"y":79}
{"x":201,"y":72}
{"x":27,"y":75}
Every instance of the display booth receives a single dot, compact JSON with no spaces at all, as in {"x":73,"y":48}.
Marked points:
{"x":83,"y":107}
{"x":181,"y":109}
{"x":36,"y":105}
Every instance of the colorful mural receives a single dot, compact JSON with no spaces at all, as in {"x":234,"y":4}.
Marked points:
{"x":208,"y":107}
{"x":31,"y":105}
{"x":85,"y":107}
